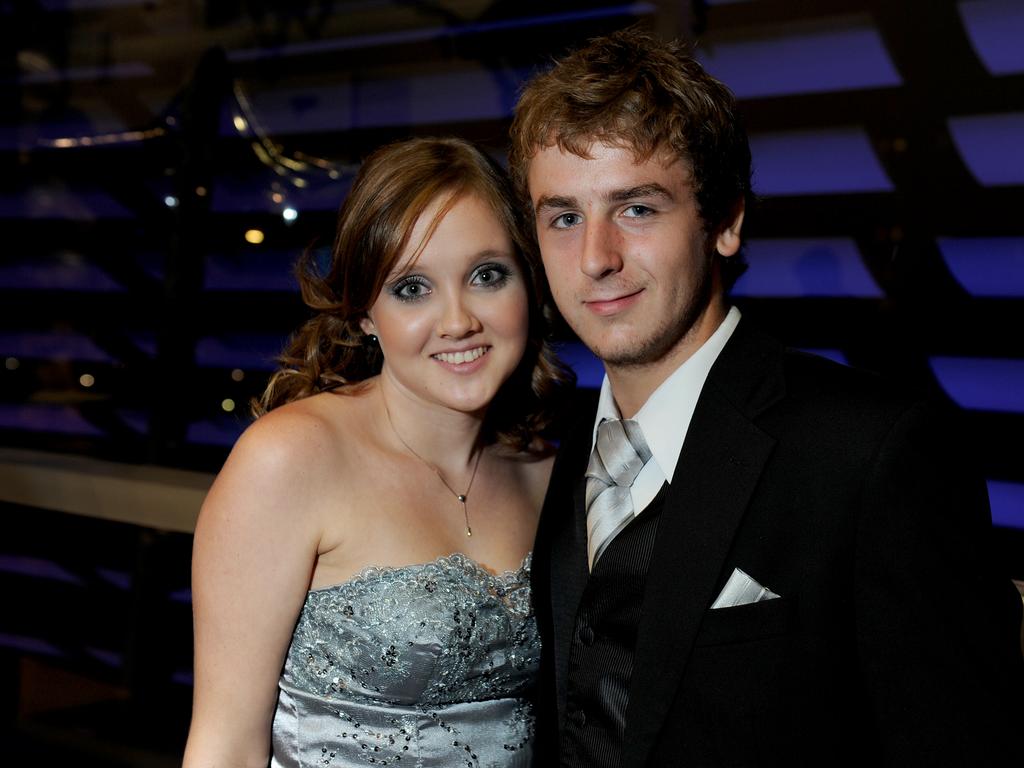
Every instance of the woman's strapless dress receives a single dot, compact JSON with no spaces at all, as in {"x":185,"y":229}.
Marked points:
{"x":422,"y":666}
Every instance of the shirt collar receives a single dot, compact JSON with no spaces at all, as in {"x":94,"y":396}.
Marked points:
{"x":672,"y":404}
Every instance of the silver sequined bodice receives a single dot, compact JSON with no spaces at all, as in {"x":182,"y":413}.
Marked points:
{"x":421,"y":666}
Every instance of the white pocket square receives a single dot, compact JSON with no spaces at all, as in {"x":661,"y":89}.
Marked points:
{"x":741,"y":589}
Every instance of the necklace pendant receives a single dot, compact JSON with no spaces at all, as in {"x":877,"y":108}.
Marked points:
{"x":460,"y":496}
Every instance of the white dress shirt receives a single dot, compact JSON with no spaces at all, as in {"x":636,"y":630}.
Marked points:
{"x":665,"y":417}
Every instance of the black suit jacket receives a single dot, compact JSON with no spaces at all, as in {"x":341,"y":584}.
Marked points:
{"x":894,"y":642}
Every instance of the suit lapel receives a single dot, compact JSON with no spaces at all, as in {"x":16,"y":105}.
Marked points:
{"x":569,"y":571}
{"x":563,"y":522}
{"x":719,"y":466}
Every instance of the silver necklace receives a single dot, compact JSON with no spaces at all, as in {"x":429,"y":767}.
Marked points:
{"x":462,"y":497}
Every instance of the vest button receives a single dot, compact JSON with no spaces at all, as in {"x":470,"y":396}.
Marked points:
{"x":578,"y":717}
{"x":587,"y":636}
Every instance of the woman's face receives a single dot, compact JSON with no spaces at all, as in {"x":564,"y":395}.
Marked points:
{"x":453,"y":321}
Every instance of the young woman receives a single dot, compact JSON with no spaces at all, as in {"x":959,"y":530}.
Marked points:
{"x":370,"y":533}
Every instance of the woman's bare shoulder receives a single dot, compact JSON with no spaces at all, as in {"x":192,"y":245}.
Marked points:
{"x":291,"y":455}
{"x":302,"y":431}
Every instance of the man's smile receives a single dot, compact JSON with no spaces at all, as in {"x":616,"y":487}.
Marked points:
{"x":613,"y":305}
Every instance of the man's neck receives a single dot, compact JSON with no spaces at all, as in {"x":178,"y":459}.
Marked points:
{"x":632,"y":385}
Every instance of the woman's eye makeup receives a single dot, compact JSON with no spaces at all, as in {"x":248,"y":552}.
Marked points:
{"x":415,"y":287}
{"x":409,"y":288}
{"x":491,"y":275}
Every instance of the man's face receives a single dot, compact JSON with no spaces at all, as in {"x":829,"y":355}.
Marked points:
{"x":630,"y":266}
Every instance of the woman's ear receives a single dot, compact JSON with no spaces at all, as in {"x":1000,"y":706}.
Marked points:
{"x":729,"y":241}
{"x":367,"y":326}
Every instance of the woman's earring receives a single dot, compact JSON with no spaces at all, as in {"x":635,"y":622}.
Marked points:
{"x":373,"y":338}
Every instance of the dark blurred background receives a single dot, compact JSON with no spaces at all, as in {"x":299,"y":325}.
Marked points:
{"x":163,"y":163}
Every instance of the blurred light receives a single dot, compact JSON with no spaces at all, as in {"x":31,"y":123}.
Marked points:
{"x":827,"y":161}
{"x":38,"y":568}
{"x":60,"y":345}
{"x":12,"y":363}
{"x":277,"y":197}
{"x":120,"y":137}
{"x":835,"y":355}
{"x":39,"y":69}
{"x":299,"y":182}
{"x":995,"y":28}
{"x":171,"y":201}
{"x":986,"y":266}
{"x":240,"y":124}
{"x":801,"y":267}
{"x":1007,"y":500}
{"x":990,"y":146}
{"x":120,"y":579}
{"x":249,"y":351}
{"x":585,"y":364}
{"x":228,"y":273}
{"x":46,"y":417}
{"x":819,"y":61}
{"x":227,"y":404}
{"x":30,"y":644}
{"x":201,"y":191}
{"x":223,"y":431}
{"x":443,"y":32}
{"x":983,"y":384}
{"x":237,"y":374}
{"x":290,"y":214}
{"x":110,"y":658}
{"x":253,"y":236}
{"x":86,"y":380}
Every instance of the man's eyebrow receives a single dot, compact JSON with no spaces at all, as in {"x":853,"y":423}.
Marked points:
{"x":561,"y":202}
{"x":642,"y":190}
{"x":555,"y":202}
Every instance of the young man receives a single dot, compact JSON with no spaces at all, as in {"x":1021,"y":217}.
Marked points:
{"x":747,"y":556}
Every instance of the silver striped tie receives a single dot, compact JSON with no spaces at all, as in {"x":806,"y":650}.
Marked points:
{"x":620,"y":452}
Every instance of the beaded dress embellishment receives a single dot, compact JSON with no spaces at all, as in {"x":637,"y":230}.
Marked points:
{"x":423,"y":665}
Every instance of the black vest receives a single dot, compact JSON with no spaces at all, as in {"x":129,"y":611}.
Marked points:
{"x":603,"y":643}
